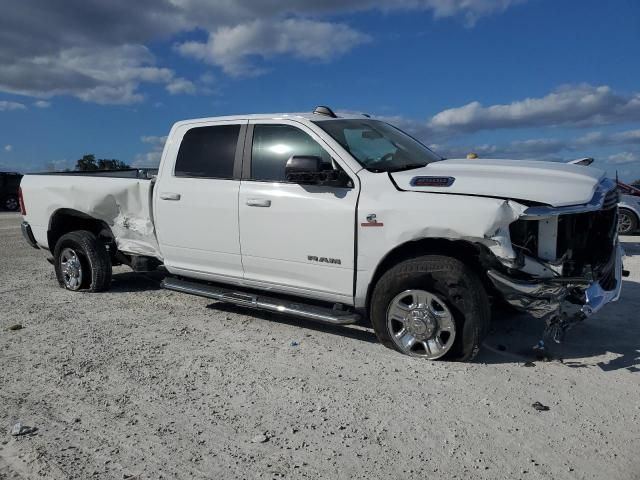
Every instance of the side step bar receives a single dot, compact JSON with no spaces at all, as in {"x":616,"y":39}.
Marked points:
{"x":250,"y":300}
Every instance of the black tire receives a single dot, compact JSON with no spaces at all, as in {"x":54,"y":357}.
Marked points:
{"x":454,"y":283}
{"x":10,"y":203}
{"x":631,"y":225}
{"x":94,"y":259}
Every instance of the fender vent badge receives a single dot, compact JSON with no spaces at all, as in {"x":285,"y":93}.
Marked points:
{"x":432,"y":181}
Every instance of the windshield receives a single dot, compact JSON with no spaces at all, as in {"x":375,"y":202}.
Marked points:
{"x":378,"y":146}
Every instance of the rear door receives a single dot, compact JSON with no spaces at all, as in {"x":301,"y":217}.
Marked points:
{"x":295,"y":238}
{"x":196,"y":201}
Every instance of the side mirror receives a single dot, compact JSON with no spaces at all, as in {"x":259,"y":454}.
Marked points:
{"x":303,"y":169}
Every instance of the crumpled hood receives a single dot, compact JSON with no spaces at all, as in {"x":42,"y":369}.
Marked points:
{"x":556,"y":184}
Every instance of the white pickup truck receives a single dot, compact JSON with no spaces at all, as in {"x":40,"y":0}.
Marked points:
{"x":335,"y":219}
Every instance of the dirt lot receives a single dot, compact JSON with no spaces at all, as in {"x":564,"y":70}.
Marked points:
{"x":145,"y":383}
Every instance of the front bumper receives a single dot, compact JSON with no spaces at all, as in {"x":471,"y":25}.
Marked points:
{"x":28,"y":235}
{"x":561,"y":301}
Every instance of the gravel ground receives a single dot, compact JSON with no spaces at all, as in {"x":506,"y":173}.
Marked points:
{"x":148,"y":384}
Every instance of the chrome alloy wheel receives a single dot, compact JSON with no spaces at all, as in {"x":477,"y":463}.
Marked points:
{"x":71,"y":269}
{"x":421,"y":324}
{"x":625,"y":222}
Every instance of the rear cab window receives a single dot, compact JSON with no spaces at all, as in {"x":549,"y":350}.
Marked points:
{"x":208,"y":152}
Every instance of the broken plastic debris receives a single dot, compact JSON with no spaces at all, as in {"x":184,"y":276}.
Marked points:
{"x":294,"y":343}
{"x":540,"y":407}
{"x":259,"y":439}
{"x":19,"y":429}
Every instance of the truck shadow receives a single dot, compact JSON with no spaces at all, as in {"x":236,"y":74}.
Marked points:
{"x":136,"y":282}
{"x":355,"y":331}
{"x":610,"y":340}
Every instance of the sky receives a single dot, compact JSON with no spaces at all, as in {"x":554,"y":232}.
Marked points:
{"x":522,"y":79}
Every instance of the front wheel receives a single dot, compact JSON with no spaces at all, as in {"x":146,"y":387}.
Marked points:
{"x":82,"y":262}
{"x":431,"y":307}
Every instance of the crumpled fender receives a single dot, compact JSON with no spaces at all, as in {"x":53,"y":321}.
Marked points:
{"x":124,"y":204}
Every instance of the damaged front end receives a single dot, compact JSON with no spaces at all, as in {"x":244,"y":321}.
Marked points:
{"x":568,"y":261}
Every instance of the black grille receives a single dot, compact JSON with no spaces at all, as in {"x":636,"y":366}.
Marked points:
{"x":608,"y":274}
{"x":611,"y":199}
{"x":608,"y":280}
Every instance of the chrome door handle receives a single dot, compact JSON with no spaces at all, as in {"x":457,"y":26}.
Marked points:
{"x":170,"y":196}
{"x":258,"y":202}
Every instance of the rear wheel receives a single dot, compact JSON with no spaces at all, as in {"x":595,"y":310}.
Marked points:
{"x":627,"y":222}
{"x":82,"y":262}
{"x":431,"y":307}
{"x":11,"y":203}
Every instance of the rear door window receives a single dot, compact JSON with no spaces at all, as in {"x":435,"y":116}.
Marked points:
{"x":208,"y":152}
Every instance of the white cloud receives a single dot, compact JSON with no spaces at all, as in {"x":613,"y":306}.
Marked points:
{"x":544,"y":147}
{"x":157,"y":142}
{"x":59,"y":165}
{"x":232,"y":47}
{"x":8,"y":148}
{"x":539,"y":148}
{"x":205,"y":12}
{"x":150,"y":159}
{"x":181,"y":85}
{"x":599,"y":138}
{"x":623,"y":157}
{"x":7,"y":106}
{"x":147,"y":160}
{"x":579,"y":105}
{"x":109,"y":75}
{"x":42,"y":104}
{"x":471,"y":10}
{"x":95,"y":50}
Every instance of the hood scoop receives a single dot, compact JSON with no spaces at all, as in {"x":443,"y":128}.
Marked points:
{"x":432,"y":181}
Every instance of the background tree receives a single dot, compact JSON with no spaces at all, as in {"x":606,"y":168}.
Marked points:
{"x":113,"y":164}
{"x":89,"y":163}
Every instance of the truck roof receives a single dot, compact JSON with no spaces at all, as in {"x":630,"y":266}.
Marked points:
{"x":309,"y":116}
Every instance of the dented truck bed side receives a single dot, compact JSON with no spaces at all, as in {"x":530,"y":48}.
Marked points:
{"x":123,"y":204}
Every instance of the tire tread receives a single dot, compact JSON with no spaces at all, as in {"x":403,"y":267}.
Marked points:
{"x":457,"y":281}
{"x":95,"y":254}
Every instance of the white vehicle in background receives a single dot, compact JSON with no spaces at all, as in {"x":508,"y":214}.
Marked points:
{"x":337,"y":218}
{"x":628,"y":209}
{"x":628,"y":206}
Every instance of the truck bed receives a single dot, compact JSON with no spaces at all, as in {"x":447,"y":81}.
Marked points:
{"x":119,"y":198}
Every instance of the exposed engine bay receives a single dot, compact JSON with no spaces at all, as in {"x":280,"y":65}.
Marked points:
{"x":568,"y":261}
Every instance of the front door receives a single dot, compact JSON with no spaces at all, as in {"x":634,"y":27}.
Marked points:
{"x":295,"y":238}
{"x":196,"y":201}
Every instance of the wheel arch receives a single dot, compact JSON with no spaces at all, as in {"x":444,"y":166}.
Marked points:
{"x":65,"y":220}
{"x":471,"y":254}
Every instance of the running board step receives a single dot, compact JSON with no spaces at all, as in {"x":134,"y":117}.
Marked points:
{"x":250,"y":300}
